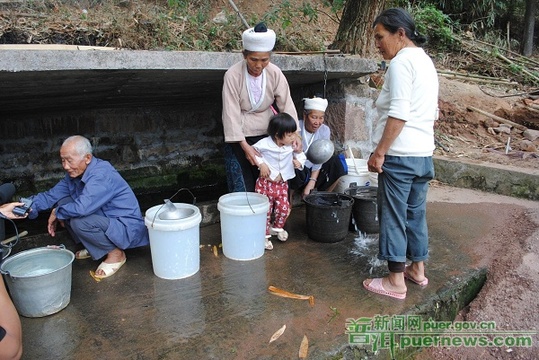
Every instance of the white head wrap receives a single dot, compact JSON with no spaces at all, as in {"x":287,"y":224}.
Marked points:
{"x":315,"y":104}
{"x":262,"y":41}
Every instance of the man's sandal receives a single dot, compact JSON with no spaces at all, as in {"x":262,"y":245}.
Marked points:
{"x":82,"y":254}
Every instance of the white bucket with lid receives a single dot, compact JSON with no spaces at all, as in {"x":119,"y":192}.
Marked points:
{"x":243,"y":224}
{"x":357,"y":173}
{"x":373,"y":178}
{"x":174,"y":240}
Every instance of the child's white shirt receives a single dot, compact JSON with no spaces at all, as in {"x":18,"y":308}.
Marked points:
{"x":277,"y":158}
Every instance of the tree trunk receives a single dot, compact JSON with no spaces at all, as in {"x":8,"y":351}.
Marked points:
{"x":529,"y":24}
{"x":355,"y":33}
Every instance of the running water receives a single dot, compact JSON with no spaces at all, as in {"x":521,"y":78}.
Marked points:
{"x":366,"y":245}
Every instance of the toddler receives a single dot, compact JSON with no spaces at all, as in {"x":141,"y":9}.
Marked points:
{"x":276,"y":162}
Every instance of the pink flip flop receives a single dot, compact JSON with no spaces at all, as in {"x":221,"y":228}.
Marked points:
{"x":376,"y":287}
{"x":425,"y":282}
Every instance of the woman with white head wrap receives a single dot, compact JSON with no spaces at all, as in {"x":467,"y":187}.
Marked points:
{"x":324,"y":176}
{"x":250,"y":88}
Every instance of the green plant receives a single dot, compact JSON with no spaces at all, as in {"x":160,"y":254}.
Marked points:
{"x":437,"y":26}
{"x":515,"y":69}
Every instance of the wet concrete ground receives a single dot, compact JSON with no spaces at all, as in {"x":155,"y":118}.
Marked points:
{"x":225,"y":311}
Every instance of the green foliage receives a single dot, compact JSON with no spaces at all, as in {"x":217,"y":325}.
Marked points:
{"x":477,"y":15}
{"x":309,"y":12}
{"x":335,"y":5}
{"x":284,"y":15}
{"x":437,"y":26}
{"x":498,"y":38}
{"x":182,"y":4}
{"x":515,"y":68}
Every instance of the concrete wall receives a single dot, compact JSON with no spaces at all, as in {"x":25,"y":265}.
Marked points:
{"x":499,"y":179}
{"x":155,"y":115}
{"x":154,"y":148}
{"x":350,"y":114}
{"x":160,"y":148}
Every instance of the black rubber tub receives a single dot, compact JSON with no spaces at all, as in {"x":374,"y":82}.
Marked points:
{"x":328,"y":216}
{"x":365,"y":209}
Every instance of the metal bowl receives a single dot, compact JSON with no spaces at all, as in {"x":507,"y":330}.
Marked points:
{"x":320,"y":151}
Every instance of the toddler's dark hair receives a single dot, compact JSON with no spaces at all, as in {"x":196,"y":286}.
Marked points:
{"x":280,"y":124}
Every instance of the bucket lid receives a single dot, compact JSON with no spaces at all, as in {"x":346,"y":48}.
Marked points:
{"x":362,"y":192}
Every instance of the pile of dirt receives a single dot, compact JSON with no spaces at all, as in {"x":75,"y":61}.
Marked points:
{"x":466,"y":129}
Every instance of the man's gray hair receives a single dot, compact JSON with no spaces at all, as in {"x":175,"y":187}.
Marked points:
{"x":81,"y":144}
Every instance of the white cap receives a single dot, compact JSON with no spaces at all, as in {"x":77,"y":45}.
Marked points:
{"x":261,"y":40}
{"x":315,"y":104}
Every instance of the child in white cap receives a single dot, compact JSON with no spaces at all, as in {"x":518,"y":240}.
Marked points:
{"x":322,"y":177}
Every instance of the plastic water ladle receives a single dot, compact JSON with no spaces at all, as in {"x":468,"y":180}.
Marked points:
{"x":353,"y":158}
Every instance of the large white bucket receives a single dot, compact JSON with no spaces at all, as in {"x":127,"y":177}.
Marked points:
{"x":373,"y":178}
{"x":356,"y":166}
{"x":174,"y":243}
{"x":243,"y":224}
{"x":357,"y":173}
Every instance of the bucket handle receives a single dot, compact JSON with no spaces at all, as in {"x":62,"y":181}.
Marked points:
{"x":176,"y":193}
{"x":170,"y":198}
{"x":57,"y":247}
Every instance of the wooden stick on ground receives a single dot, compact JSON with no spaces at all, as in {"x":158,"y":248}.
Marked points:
{"x":13,"y":238}
{"x":497,"y":118}
{"x":286,"y":294}
{"x":476,"y":79}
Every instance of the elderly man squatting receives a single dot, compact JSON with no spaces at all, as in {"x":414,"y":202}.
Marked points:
{"x":96,"y":205}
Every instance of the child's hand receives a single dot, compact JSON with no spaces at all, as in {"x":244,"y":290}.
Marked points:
{"x":297,"y":145}
{"x":264,"y":170}
{"x":297,"y":164}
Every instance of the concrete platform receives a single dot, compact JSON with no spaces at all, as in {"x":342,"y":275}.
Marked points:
{"x":83,"y":79}
{"x":225,"y":311}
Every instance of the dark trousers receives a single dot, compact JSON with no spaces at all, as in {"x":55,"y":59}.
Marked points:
{"x":241,"y":175}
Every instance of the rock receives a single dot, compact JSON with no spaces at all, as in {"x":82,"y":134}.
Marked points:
{"x":491,"y":131}
{"x":220,"y":18}
{"x":502,"y":129}
{"x":489,"y":123}
{"x":531,"y":134}
{"x":527,"y":145}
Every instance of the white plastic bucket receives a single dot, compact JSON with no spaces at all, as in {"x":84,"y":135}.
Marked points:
{"x":243,"y":224}
{"x":357,"y":173}
{"x":356,"y":166}
{"x":174,"y":243}
{"x":373,"y":178}
{"x":345,"y":181}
